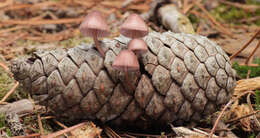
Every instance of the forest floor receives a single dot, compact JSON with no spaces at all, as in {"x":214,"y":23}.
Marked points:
{"x":30,"y":25}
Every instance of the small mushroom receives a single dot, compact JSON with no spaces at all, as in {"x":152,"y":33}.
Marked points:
{"x":138,"y":46}
{"x":134,"y":27}
{"x":95,"y":26}
{"x":126,"y":61}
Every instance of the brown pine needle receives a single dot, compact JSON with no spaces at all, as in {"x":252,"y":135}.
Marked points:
{"x":42,"y":22}
{"x":10,"y":92}
{"x":212,"y":19}
{"x":245,"y":46}
{"x":13,"y":39}
{"x":246,"y":7}
{"x":250,"y":65}
{"x":188,"y":8}
{"x":199,"y":15}
{"x":47,"y":117}
{"x":12,"y":29}
{"x":184,"y":5}
{"x":111,"y":132}
{"x":40,"y":124}
{"x":59,"y":123}
{"x":6,"y":69}
{"x":253,"y":52}
{"x":13,"y":88}
{"x":94,"y":126}
{"x":29,"y":136}
{"x":248,"y":74}
{"x":64,"y":131}
{"x":199,"y":29}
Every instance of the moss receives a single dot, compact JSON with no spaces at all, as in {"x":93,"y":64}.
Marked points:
{"x":230,"y":14}
{"x":3,"y":125}
{"x":22,"y":42}
{"x":6,"y":83}
{"x":32,"y":123}
{"x":252,"y":135}
{"x":47,"y":126}
{"x":2,"y":120}
{"x":75,"y":41}
{"x":252,"y":2}
{"x":8,"y":132}
{"x":28,"y":120}
{"x":242,"y":70}
{"x":194,"y":20}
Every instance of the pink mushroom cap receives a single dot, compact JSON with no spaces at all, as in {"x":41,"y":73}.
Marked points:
{"x":134,"y":27}
{"x":126,"y":60}
{"x":94,"y":24}
{"x":138,"y":46}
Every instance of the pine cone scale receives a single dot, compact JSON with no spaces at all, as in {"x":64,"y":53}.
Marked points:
{"x":183,"y":77}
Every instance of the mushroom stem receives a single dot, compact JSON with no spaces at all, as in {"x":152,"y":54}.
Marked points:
{"x":98,"y":46}
{"x":127,"y":80}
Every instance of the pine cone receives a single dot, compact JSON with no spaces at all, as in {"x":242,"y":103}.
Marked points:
{"x":182,"y":77}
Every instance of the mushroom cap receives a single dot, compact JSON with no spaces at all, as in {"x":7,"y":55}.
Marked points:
{"x":126,"y":60}
{"x":134,"y":27}
{"x":138,"y":46}
{"x":94,"y":24}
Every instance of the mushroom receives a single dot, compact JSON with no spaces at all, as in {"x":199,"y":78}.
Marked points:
{"x":138,"y":46}
{"x":134,"y":27}
{"x":126,"y":61}
{"x":95,"y":26}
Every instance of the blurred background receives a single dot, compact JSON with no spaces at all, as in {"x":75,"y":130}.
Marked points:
{"x":30,"y":25}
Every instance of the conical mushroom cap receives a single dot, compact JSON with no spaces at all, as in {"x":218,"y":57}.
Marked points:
{"x":94,"y":24}
{"x":138,"y":46}
{"x":126,"y":60}
{"x":134,"y":27}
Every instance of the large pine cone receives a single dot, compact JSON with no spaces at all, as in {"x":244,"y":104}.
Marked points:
{"x":183,"y":77}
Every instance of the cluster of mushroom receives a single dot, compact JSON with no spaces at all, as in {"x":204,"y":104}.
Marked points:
{"x":134,"y":27}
